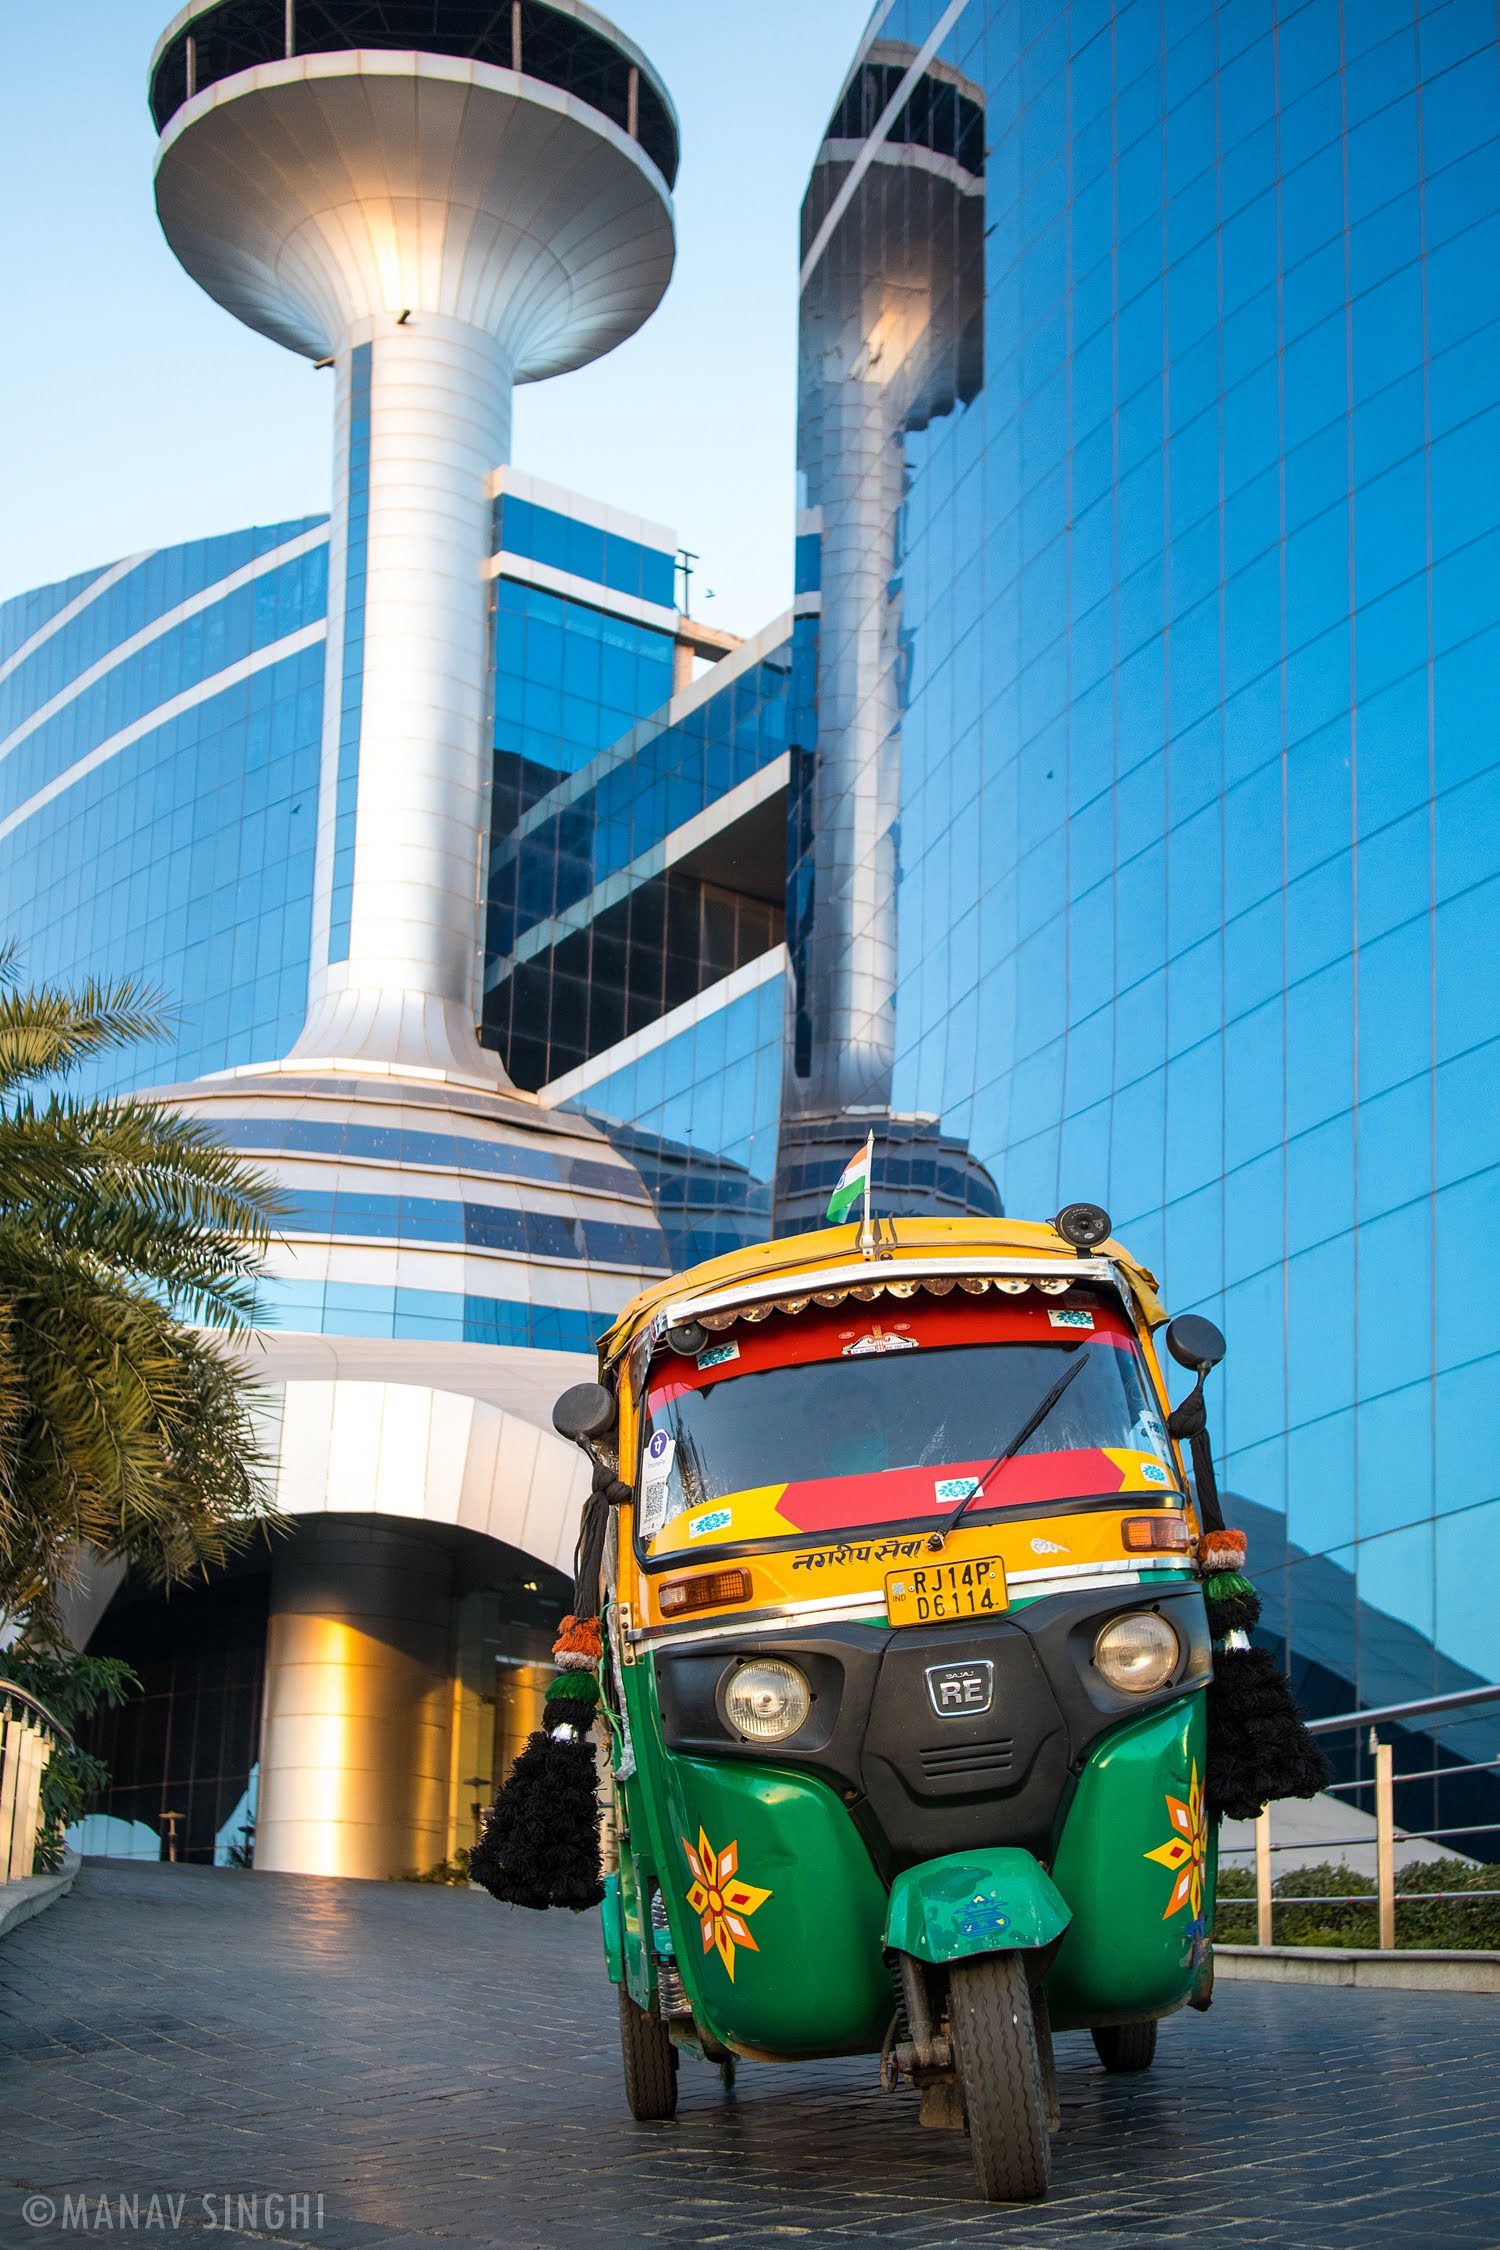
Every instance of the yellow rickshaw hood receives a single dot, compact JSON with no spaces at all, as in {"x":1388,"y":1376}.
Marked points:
{"x":778,"y":1268}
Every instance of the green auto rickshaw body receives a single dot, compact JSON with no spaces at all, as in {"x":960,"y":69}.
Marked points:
{"x":781,"y":1928}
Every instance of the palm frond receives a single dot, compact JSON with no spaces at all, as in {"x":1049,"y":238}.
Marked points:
{"x":143,"y":1191}
{"x":138,"y":1438}
{"x":122,"y":1429}
{"x":45,"y":1032}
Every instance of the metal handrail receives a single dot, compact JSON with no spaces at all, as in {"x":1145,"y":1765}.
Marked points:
{"x":10,"y":1693}
{"x":1383,"y":1782}
{"x":1423,"y":1773}
{"x":1349,"y":1843}
{"x":29,"y":1735}
{"x":1455,"y":1702}
{"x":1369,"y":1898}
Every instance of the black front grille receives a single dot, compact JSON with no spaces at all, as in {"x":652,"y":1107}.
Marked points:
{"x":973,"y":1760}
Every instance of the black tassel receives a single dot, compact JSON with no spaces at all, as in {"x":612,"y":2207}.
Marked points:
{"x":540,"y":1846}
{"x":1258,"y":1745}
{"x":607,"y":1493}
{"x":1232,"y":1603}
{"x":1190,"y":1421}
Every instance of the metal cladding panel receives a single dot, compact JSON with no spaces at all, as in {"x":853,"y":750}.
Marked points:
{"x":305,"y":195}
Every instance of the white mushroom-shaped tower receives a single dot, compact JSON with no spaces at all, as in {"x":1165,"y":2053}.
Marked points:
{"x":441,"y":201}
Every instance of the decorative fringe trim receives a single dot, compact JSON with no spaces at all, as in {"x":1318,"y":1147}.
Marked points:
{"x":1233,"y":1604}
{"x":540,"y":1846}
{"x":578,"y":1638}
{"x":1258,"y":1744}
{"x":1220,"y":1551}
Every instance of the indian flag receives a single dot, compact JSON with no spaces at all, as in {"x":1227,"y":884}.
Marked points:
{"x":853,"y":1183}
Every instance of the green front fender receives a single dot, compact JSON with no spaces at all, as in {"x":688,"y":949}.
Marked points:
{"x":1136,"y":1865}
{"x":997,"y":1901}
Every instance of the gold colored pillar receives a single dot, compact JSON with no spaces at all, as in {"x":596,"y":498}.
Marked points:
{"x":355,"y":1736}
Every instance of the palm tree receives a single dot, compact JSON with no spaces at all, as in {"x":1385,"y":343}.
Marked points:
{"x":126,"y":1232}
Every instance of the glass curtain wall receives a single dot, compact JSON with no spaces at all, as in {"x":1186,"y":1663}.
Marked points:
{"x":159,"y":739}
{"x":1199,"y":841}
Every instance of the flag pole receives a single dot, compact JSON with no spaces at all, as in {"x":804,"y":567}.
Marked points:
{"x":866,"y":1236}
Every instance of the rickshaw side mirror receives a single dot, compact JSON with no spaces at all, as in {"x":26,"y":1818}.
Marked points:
{"x":1195,"y":1342}
{"x":586,"y":1411}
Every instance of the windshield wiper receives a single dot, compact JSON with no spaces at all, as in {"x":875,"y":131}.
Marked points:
{"x":1029,"y":1428}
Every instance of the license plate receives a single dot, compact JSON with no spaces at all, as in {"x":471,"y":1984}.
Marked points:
{"x":935,"y":1593}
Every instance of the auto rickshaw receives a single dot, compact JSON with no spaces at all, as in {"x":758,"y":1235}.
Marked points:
{"x":905,"y":1659}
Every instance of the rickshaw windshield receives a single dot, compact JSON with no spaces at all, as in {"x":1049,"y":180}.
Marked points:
{"x":895,"y":1433}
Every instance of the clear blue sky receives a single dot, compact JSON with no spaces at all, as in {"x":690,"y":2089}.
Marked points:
{"x":135,"y":413}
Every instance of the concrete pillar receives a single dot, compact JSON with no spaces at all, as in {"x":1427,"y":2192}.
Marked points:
{"x":355,"y":1733}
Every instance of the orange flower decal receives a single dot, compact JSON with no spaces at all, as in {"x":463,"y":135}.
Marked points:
{"x":1186,"y":1849}
{"x":720,"y":1900}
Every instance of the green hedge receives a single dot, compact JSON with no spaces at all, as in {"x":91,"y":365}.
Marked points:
{"x":1446,"y":1924}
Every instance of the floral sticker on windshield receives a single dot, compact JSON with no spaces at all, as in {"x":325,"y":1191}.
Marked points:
{"x":717,"y":1354}
{"x":948,"y":1491}
{"x":879,"y":1340}
{"x":718,"y":1519}
{"x":1071,"y":1317}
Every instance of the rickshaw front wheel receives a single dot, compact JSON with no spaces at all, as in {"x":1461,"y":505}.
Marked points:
{"x":1125,"y":2046}
{"x":650,"y":2063}
{"x":1000,"y":2076}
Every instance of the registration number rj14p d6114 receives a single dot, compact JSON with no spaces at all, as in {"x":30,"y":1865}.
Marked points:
{"x":929,"y":1593}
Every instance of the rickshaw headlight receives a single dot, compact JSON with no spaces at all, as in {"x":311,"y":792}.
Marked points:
{"x":767,"y":1700}
{"x":1137,"y":1653}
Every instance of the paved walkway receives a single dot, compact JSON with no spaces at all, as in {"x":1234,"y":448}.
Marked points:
{"x":440,"y":2070}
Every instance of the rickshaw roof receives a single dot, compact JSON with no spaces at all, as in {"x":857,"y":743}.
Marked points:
{"x":920,"y":1244}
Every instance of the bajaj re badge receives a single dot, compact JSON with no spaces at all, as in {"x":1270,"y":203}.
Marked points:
{"x":961,"y":1691}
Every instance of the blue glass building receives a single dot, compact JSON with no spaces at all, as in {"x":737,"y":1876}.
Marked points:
{"x":1192,"y":590}
{"x":159,"y":729}
{"x":1116,"y":814}
{"x":159,"y":771}
{"x":448,"y":1254}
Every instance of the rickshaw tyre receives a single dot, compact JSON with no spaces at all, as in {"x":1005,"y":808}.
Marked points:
{"x":1125,"y":2046}
{"x":650,"y":2064}
{"x":1000,"y":2076}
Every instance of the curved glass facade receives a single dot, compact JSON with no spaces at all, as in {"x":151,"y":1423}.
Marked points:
{"x":160,"y":723}
{"x":159,"y":731}
{"x":1199,"y":812}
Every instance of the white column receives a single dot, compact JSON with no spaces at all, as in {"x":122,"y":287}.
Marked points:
{"x":406,"y":725}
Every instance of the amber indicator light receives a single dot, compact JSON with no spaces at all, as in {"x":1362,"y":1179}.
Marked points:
{"x":710,"y":1590}
{"x":1141,"y":1532}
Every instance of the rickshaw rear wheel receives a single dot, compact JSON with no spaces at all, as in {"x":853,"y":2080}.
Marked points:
{"x":650,"y":2063}
{"x":1125,"y":2046}
{"x":1000,"y":2076}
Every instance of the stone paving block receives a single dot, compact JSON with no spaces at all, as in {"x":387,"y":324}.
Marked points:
{"x":444,"y":2071}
